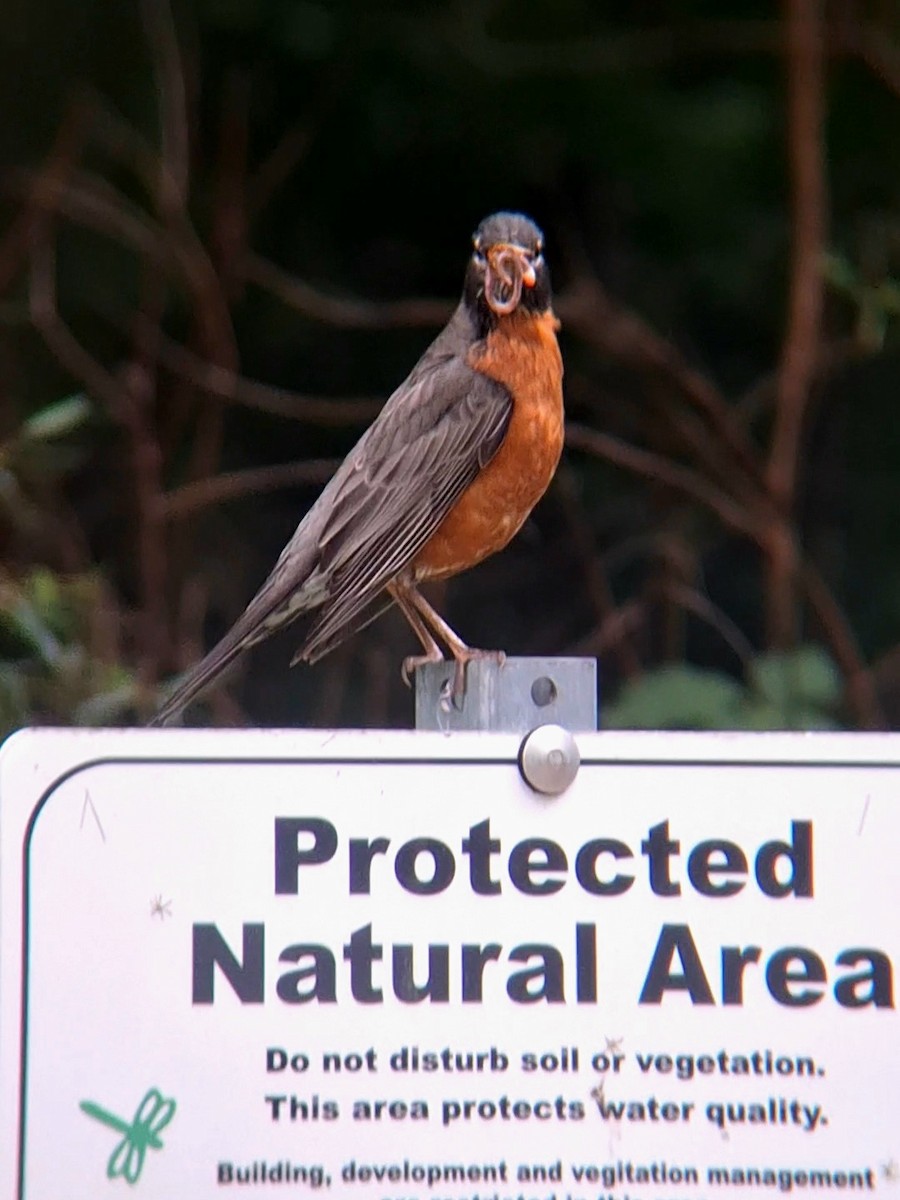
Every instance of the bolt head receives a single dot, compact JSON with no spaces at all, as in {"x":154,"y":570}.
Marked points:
{"x":549,"y":759}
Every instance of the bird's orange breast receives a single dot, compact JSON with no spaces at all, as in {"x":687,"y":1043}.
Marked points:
{"x":522,"y":353}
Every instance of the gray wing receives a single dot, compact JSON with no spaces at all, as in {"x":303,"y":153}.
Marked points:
{"x":434,"y":435}
{"x":437,"y":433}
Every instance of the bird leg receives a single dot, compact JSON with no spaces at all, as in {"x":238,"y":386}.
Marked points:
{"x":432,"y":649}
{"x":427,"y":622}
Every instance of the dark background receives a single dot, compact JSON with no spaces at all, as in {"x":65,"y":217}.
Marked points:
{"x":230,"y":227}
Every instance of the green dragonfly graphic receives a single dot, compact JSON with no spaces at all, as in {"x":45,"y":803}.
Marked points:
{"x":152,"y":1116}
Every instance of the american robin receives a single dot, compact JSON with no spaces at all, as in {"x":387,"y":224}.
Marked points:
{"x":444,"y":477}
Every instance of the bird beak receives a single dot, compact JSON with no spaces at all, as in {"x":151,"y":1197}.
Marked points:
{"x":501,"y":257}
{"x":509,"y":269}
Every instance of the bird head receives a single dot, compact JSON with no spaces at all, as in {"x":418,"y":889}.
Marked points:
{"x":507,"y":269}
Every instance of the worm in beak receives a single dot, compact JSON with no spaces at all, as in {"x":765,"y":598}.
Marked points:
{"x":508,"y":270}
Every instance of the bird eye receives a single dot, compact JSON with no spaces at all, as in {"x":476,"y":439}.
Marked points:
{"x":538,"y":260}
{"x":479,"y":257}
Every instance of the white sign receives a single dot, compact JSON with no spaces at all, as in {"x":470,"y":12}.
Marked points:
{"x":380,"y":966}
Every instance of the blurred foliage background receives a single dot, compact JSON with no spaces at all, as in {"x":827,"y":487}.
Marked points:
{"x":229,"y":227}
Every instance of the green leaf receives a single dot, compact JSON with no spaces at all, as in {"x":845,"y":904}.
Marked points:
{"x":840,"y":273}
{"x":106,"y":707}
{"x":57,"y":419}
{"x":46,"y":593}
{"x":13,"y":696}
{"x":760,"y":715}
{"x":805,"y":676}
{"x":677,"y":697}
{"x":25,"y":622}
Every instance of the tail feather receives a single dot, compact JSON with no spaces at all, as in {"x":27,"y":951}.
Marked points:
{"x":201,"y":676}
{"x":283,"y":598}
{"x":315,"y":646}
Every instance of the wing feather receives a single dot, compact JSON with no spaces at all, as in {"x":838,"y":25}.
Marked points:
{"x":404,"y":494}
{"x":433,"y":436}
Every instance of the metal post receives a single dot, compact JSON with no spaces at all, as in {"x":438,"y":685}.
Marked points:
{"x":513,"y":698}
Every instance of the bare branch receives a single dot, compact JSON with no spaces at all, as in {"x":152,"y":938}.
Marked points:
{"x":623,"y":622}
{"x":204,"y":493}
{"x":861,"y":692}
{"x":44,"y":189}
{"x":62,"y":343}
{"x":294,"y":144}
{"x":613,"y":52}
{"x":598,"y":585}
{"x":587,"y":309}
{"x":701,"y":606}
{"x":876,"y":48}
{"x":326,"y":411}
{"x":662,"y":471}
{"x":800,"y":353}
{"x":128,"y":400}
{"x":159,"y":28}
{"x":344,"y":313}
{"x":90,"y":201}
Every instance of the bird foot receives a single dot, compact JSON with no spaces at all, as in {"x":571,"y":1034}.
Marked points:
{"x":463,"y":658}
{"x":412,"y":663}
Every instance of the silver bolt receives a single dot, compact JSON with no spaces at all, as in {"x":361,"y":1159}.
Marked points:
{"x":549,"y":759}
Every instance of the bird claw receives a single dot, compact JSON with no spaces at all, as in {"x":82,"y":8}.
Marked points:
{"x":412,"y":663}
{"x":458,"y":691}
